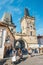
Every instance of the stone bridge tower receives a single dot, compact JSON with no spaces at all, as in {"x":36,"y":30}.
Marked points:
{"x":28,"y":24}
{"x":28,"y":31}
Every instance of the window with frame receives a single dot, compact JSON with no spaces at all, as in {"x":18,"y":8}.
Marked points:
{"x":31,"y":33}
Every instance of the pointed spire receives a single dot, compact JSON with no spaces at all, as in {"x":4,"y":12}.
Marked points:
{"x":26,"y":12}
{"x":7,"y":17}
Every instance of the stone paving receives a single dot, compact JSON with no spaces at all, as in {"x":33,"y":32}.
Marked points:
{"x":35,"y":60}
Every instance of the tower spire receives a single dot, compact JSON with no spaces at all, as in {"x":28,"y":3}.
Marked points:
{"x":26,"y":12}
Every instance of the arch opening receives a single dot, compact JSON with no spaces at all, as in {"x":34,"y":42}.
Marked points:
{"x":20,"y":44}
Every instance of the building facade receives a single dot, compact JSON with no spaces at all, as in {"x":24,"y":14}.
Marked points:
{"x":28,"y":32}
{"x":7,"y":20}
{"x":6,"y":39}
{"x":27,"y":37}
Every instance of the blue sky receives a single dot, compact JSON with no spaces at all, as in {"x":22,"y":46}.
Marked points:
{"x":16,"y":8}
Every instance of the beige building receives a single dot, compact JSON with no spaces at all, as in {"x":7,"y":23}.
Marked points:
{"x":6,"y":37}
{"x":27,"y":38}
{"x":7,"y":19}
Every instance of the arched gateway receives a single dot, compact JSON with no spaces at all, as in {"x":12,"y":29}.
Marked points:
{"x":20,"y":43}
{"x":28,"y":31}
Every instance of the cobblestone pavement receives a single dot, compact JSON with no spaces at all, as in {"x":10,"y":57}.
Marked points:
{"x":35,"y":60}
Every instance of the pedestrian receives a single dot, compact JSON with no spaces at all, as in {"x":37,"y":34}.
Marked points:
{"x":30,"y":52}
{"x":7,"y":52}
{"x":10,"y":50}
{"x":20,"y":54}
{"x":14,"y":57}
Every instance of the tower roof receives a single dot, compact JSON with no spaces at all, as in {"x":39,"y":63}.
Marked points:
{"x":26,"y":12}
{"x":7,"y":17}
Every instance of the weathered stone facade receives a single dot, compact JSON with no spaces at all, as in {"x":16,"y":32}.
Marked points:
{"x":28,"y":31}
{"x":6,"y":39}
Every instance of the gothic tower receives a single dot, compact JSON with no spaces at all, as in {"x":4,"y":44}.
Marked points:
{"x":7,"y":19}
{"x":28,"y":27}
{"x":28,"y":24}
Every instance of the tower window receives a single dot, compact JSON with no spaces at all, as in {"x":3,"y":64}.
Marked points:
{"x":31,"y":27}
{"x":11,"y":29}
{"x":31,"y":33}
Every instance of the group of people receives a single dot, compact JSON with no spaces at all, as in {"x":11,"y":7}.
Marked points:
{"x":12,"y":52}
{"x":15,"y":53}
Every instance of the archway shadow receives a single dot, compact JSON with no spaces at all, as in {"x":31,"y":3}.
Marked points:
{"x":19,"y":44}
{"x":2,"y":62}
{"x":20,"y":60}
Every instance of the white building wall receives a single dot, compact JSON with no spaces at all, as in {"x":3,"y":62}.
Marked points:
{"x":3,"y":41}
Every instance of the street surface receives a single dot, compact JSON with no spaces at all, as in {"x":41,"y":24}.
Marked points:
{"x":35,"y":60}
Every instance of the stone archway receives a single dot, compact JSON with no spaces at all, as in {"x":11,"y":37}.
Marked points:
{"x":20,"y":43}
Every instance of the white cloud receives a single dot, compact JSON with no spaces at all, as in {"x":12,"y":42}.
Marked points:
{"x":6,"y":3}
{"x":14,"y":9}
{"x":17,"y":10}
{"x":2,"y":2}
{"x":19,"y":2}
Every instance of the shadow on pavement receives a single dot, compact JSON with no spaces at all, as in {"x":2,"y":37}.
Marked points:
{"x":2,"y":62}
{"x":20,"y":60}
{"x":17,"y":62}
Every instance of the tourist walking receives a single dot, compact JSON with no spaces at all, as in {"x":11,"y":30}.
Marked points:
{"x":30,"y":52}
{"x":20,"y":53}
{"x":14,"y":57}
